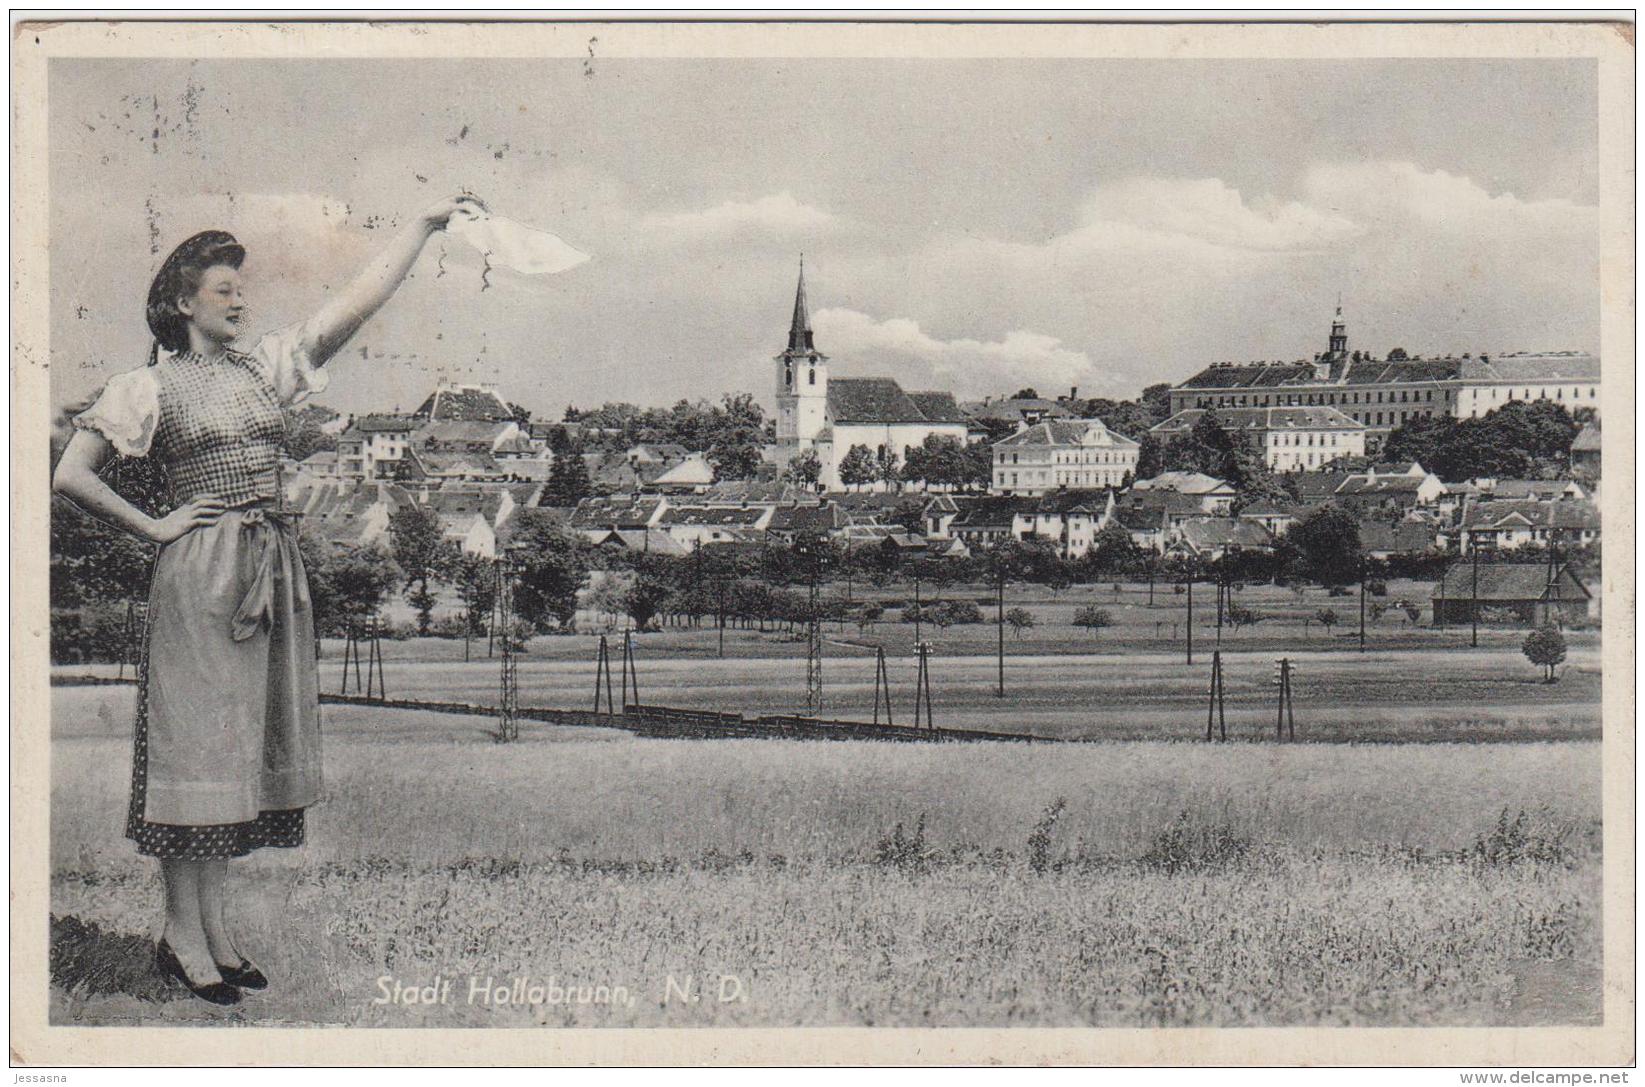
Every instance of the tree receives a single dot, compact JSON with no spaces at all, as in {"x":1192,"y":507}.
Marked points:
{"x":1545,"y":646}
{"x":568,"y":481}
{"x":1327,"y":542}
{"x":1238,"y":615}
{"x":805,"y":468}
{"x":304,"y":436}
{"x":1093,"y":618}
{"x":739,"y":437}
{"x":937,"y":461}
{"x":421,"y":551}
{"x":552,"y":567}
{"x":1326,"y":618}
{"x":1397,"y":355}
{"x":857,"y":466}
{"x":974,"y":469}
{"x":607,"y":594}
{"x":347,"y":585}
{"x":1026,"y":394}
{"x":1521,"y":439}
{"x":1113,"y":551}
{"x":94,"y":563}
{"x":475,"y":579}
{"x":886,"y":467}
{"x":1150,"y":457}
{"x":1020,"y":619}
{"x":646,"y":597}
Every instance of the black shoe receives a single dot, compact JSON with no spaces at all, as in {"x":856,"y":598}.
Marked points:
{"x":244,"y":976}
{"x":218,"y":992}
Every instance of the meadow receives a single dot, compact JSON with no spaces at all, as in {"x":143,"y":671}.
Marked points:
{"x":1117,"y":884}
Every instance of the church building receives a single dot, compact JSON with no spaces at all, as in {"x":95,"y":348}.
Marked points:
{"x":833,"y":416}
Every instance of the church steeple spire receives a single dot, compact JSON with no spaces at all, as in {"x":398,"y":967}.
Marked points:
{"x":1339,"y":333}
{"x":799,"y":332}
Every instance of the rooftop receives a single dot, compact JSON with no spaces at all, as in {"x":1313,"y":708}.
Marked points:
{"x":1286,"y":418}
{"x":1508,"y":581}
{"x":1054,"y":432}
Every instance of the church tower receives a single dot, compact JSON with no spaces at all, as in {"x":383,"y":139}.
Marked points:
{"x":802,"y":380}
{"x":1339,"y":335}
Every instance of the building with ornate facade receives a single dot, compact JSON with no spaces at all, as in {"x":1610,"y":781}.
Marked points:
{"x":1382,"y":394}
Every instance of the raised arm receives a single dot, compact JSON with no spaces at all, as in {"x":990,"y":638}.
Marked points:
{"x":340,"y":318}
{"x":76,"y":478}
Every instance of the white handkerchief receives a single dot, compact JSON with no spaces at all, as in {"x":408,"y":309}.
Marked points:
{"x":512,"y":245}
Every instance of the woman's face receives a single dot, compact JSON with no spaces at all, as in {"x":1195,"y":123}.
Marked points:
{"x":215,"y":308}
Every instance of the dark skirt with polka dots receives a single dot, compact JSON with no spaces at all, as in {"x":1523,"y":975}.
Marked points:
{"x":212,"y":841}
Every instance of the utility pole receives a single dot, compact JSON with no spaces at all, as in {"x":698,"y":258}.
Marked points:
{"x":1362,"y":603}
{"x":508,"y":725}
{"x":999,"y":618}
{"x":1286,"y":721}
{"x":1222,"y":588}
{"x":722,"y":618}
{"x":1216,"y":706}
{"x":602,"y":677}
{"x":630,"y":673}
{"x":813,"y":634}
{"x":917,"y":638}
{"x":882,"y":683}
{"x":1189,"y":626}
{"x":1550,"y":595}
{"x":922,"y":685}
{"x":1474,"y":611}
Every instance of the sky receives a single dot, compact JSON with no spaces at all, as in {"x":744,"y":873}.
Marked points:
{"x":973,"y":225}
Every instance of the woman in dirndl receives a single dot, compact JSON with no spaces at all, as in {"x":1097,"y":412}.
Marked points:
{"x":226,"y":754}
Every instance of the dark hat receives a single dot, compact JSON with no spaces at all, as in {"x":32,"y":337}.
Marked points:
{"x":198,"y":253}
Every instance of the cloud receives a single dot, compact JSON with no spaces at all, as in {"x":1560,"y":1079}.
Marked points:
{"x":1391,"y":195}
{"x":778,"y":215}
{"x":1207,"y":210}
{"x":968,"y":367}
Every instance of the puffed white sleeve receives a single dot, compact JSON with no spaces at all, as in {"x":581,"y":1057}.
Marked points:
{"x":127,"y":412}
{"x":285,"y":358}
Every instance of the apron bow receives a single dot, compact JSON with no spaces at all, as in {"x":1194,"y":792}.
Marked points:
{"x":257,"y":607}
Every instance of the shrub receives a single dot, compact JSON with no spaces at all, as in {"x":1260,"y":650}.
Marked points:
{"x":1537,"y":839}
{"x":957,"y":611}
{"x":1377,"y":588}
{"x":1039,"y":840}
{"x":1093,"y":618}
{"x":447,"y":626}
{"x":1189,"y":845}
{"x":905,"y":851}
{"x":83,"y":635}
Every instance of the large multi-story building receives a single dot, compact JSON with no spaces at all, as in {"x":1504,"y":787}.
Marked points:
{"x":1291,"y":439}
{"x":1382,"y":394}
{"x":1062,"y":453}
{"x":831,"y":417}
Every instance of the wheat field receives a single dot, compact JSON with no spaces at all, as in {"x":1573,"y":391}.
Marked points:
{"x":1116,"y":884}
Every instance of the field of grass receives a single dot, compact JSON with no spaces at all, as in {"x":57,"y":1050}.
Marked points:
{"x":1174,"y":883}
{"x":1085,"y":689}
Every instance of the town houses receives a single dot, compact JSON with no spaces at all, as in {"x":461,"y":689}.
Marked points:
{"x":1047,"y":470}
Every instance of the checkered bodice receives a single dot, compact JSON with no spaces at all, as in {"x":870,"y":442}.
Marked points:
{"x":221,"y":428}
